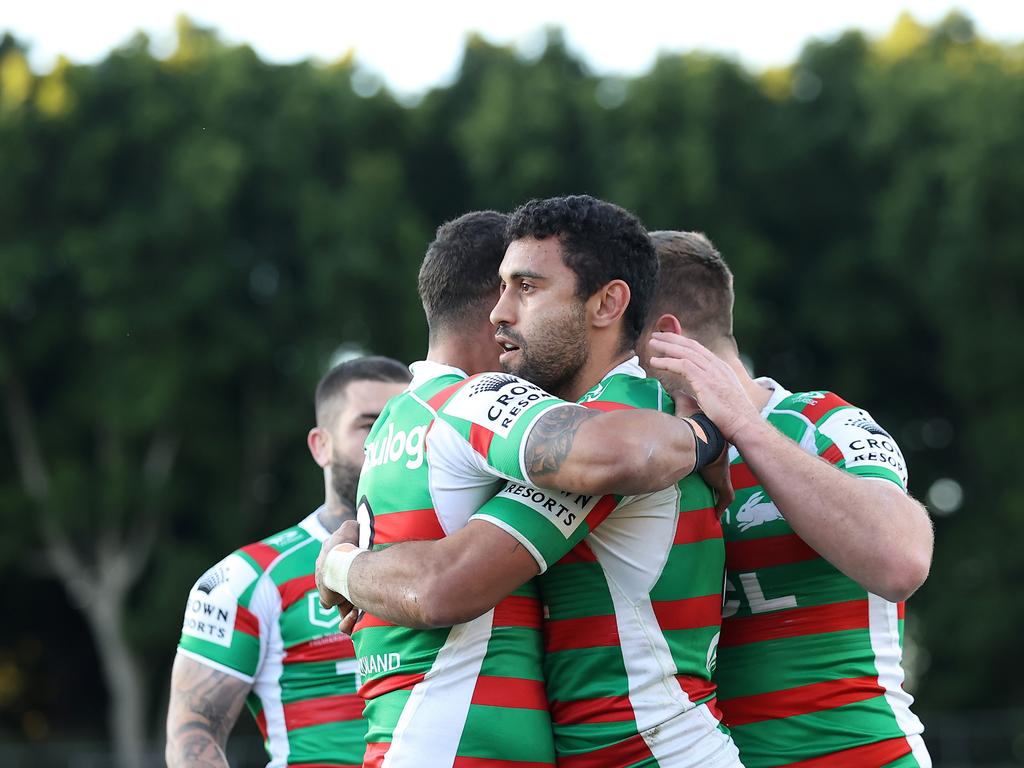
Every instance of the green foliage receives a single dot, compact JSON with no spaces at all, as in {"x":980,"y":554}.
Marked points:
{"x":184,"y":242}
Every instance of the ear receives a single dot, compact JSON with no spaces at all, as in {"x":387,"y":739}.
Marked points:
{"x":319,"y":442}
{"x":669,"y":324}
{"x":609,"y":304}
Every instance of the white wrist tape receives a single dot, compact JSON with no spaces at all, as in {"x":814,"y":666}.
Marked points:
{"x":336,"y":565}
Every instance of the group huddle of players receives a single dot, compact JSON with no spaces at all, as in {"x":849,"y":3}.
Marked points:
{"x":533,"y":553}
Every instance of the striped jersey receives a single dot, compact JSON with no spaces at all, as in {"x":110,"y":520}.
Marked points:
{"x":809,"y":664}
{"x":632,"y":590}
{"x":471,"y":695}
{"x":256,"y":616}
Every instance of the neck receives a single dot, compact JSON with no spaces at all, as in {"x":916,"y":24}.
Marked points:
{"x":334,"y":513}
{"x":595,"y":369}
{"x":758,"y":395}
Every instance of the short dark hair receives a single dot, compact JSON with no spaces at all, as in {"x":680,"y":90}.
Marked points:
{"x":460,"y":269}
{"x":332,"y":386}
{"x":600,"y":242}
{"x":696,"y":286}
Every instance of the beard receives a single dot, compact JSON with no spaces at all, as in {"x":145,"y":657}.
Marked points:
{"x":555,"y":354}
{"x":345,"y":479}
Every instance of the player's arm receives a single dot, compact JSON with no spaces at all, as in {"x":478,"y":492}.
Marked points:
{"x":204,"y":706}
{"x":869,"y":529}
{"x":629,"y":452}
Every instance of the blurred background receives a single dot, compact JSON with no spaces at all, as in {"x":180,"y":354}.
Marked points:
{"x":193,"y":226}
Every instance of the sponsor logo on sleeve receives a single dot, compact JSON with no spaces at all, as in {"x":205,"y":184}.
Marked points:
{"x":213,"y":601}
{"x":496,"y":401}
{"x":563,"y":510}
{"x":863,"y":442}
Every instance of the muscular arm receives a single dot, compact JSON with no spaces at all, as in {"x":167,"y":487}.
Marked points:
{"x":428,"y":584}
{"x":203,"y":709}
{"x":625,"y":452}
{"x":869,"y":529}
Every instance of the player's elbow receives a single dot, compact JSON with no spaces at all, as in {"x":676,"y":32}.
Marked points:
{"x":905,"y":577}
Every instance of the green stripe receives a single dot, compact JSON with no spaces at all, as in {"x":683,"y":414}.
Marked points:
{"x":340,"y":743}
{"x":417,"y":648}
{"x":382,"y":714}
{"x":514,"y":652}
{"x":692,"y":570}
{"x":585,"y":673}
{"x":506,"y":733}
{"x":576,"y":590}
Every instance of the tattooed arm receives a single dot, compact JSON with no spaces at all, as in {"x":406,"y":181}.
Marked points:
{"x":627,"y":452}
{"x":204,"y":706}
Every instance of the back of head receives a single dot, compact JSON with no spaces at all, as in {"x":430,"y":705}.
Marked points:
{"x":600,"y":242}
{"x":459,"y":275}
{"x":696,"y":286}
{"x":330,"y":392}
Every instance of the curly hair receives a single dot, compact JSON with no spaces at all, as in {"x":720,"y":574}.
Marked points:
{"x":600,"y":242}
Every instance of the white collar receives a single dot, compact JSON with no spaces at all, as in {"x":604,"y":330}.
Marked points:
{"x":425,"y":370}
{"x":779,"y":393}
{"x":311,"y":524}
{"x":629,"y":367}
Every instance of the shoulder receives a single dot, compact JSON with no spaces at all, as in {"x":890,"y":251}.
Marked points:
{"x":240,"y":570}
{"x":625,"y":391}
{"x":496,"y":401}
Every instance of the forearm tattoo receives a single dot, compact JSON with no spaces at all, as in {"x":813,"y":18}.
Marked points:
{"x":204,"y":706}
{"x":551,"y":439}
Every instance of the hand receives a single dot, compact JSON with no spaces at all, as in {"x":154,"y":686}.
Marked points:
{"x":347,"y":533}
{"x":712,"y":382}
{"x":717,"y":476}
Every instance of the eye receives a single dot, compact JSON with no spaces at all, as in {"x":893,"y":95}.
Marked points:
{"x":502,"y":287}
{"x":525,"y":287}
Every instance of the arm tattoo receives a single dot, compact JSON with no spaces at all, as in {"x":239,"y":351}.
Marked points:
{"x":551,"y":439}
{"x":204,"y":706}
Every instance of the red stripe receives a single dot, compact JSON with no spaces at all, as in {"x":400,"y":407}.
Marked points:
{"x":263,"y":554}
{"x":517,"y":611}
{"x":261,"y":723}
{"x":367,"y":621}
{"x":490,"y":762}
{"x":295,"y":589}
{"x":876,"y":755}
{"x":587,"y":632}
{"x":801,"y":700}
{"x":689,"y":613}
{"x":608,"y":405}
{"x":327,"y":709}
{"x":742,"y":477}
{"x":818,"y":408}
{"x":601,"y":510}
{"x":581,"y":553}
{"x":412,"y":525}
{"x":697,"y":525}
{"x":610,"y":709}
{"x":795,"y":622}
{"x":332,"y":647}
{"x":324,"y":765}
{"x":901,"y":610}
{"x":246,"y":621}
{"x":697,"y":689}
{"x":770,"y":551}
{"x":512,"y":692}
{"x":382,"y":685}
{"x":373,"y":757}
{"x":480,"y":439}
{"x":832,"y":454}
{"x":442,"y":397}
{"x":632,"y":750}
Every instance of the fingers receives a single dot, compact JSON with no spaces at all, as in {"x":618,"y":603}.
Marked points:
{"x":348,"y":622}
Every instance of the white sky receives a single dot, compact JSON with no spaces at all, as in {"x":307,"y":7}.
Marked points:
{"x":416,"y":45}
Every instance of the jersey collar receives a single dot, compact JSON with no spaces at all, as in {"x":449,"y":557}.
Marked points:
{"x":629,"y":367}
{"x":425,"y":370}
{"x":311,"y":524}
{"x":779,"y":393}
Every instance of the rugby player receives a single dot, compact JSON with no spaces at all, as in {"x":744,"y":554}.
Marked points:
{"x":254,"y":629}
{"x":823,"y":543}
{"x":631,"y":584}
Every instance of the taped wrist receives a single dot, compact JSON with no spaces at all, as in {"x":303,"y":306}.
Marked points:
{"x":709,"y":440}
{"x":336,"y":566}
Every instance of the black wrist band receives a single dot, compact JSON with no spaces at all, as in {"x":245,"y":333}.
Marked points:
{"x":707,"y":450}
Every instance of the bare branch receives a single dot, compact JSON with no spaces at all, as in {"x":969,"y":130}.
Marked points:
{"x":34,"y":476}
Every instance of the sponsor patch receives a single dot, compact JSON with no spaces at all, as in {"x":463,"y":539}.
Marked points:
{"x":496,"y":401}
{"x":213,"y":601}
{"x":863,"y":443}
{"x":566,"y":511}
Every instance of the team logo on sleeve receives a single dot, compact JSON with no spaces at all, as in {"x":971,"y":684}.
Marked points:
{"x":496,"y":401}
{"x":213,"y":601}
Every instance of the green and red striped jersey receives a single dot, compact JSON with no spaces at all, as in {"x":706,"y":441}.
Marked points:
{"x":472,"y":695}
{"x":632,"y":590}
{"x":256,"y":616}
{"x":810,"y":664}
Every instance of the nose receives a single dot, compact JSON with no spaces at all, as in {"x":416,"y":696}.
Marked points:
{"x":503,"y":311}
